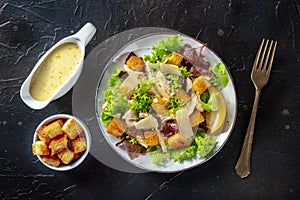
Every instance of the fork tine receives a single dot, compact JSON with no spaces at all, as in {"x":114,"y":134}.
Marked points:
{"x":263,"y":56}
{"x":264,"y":68}
{"x":257,"y":55}
{"x":272,"y":56}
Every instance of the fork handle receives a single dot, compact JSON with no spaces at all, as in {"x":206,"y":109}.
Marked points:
{"x":242,"y":167}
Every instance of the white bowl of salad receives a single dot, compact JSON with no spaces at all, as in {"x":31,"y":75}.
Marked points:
{"x":166,"y":102}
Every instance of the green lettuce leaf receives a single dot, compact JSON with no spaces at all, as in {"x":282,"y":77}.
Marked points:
{"x":205,"y":144}
{"x":184,"y":72}
{"x":162,"y":49}
{"x":174,"y":82}
{"x":116,"y":105}
{"x":115,"y":80}
{"x":208,"y":101}
{"x":141,"y":100}
{"x":174,"y":105}
{"x":221,"y":78}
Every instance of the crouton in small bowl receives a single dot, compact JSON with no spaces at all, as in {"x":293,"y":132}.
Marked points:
{"x":61,"y":142}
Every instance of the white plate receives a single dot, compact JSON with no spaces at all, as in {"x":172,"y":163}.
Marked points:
{"x":141,"y":47}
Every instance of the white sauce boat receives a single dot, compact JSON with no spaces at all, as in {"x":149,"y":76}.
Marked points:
{"x":81,"y":39}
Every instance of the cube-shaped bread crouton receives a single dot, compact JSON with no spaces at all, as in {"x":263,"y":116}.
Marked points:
{"x":175,"y":59}
{"x":66,"y":156}
{"x":196,"y":118}
{"x":182,"y":95}
{"x":158,"y":105}
{"x":40,"y":148}
{"x":78,"y":145}
{"x":42,"y":135}
{"x":177,"y":141}
{"x":58,"y":144}
{"x":200,"y":84}
{"x":51,"y":160}
{"x":54,"y":129}
{"x":116,"y":127}
{"x":72,"y":128}
{"x":151,"y":138}
{"x":135,"y":63}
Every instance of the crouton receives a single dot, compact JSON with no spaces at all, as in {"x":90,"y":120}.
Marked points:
{"x":51,"y":160}
{"x":54,"y":129}
{"x":58,"y":144}
{"x":175,"y":59}
{"x":200,"y":84}
{"x":72,"y":128}
{"x":42,"y":135}
{"x":66,"y":156}
{"x":116,"y":127}
{"x":158,"y":105}
{"x":134,"y":62}
{"x":40,"y":148}
{"x":177,"y":141}
{"x":196,"y":118}
{"x":78,"y":145}
{"x":182,"y":95}
{"x":151,"y":138}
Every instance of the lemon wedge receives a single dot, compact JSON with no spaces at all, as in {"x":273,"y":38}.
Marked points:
{"x":215,"y":119}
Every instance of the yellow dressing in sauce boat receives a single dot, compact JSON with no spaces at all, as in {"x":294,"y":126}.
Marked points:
{"x":54,"y":71}
{"x":58,"y":69}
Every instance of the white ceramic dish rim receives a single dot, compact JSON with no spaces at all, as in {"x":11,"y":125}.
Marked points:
{"x":87,"y":137}
{"x":122,"y":153}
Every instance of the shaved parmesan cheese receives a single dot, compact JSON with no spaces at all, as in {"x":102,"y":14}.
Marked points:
{"x":131,"y":81}
{"x":147,"y":123}
{"x":170,"y":69}
{"x":184,"y":124}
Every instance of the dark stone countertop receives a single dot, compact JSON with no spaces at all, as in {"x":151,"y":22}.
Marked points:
{"x":233,"y":28}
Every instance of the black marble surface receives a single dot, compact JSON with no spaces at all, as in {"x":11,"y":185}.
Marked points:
{"x":233,"y":28}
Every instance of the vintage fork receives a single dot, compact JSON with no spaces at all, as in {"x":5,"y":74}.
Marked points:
{"x":260,"y":76}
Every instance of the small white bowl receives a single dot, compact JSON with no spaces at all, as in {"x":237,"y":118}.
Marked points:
{"x":86,"y":133}
{"x":81,"y":39}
